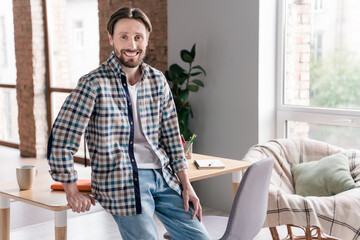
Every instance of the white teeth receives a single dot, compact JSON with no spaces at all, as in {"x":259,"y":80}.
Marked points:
{"x":130,"y":54}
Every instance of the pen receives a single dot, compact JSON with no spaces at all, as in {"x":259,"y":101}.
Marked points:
{"x":189,"y":144}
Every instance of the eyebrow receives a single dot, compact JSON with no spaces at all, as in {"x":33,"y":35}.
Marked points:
{"x":137,"y":33}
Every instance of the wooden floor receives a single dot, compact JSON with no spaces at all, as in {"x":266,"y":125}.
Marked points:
{"x":29,"y":222}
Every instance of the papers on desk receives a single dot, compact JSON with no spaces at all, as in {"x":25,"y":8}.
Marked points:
{"x":209,"y":163}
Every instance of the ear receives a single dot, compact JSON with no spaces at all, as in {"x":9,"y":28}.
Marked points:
{"x":111,"y":40}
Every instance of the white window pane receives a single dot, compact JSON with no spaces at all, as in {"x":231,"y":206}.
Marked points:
{"x":346,"y":137}
{"x":322,"y":54}
{"x":74,"y":40}
{"x":57,"y":100}
{"x":7,"y":50}
{"x":8,"y":116}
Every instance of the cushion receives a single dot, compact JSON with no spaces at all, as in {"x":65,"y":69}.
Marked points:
{"x":326,"y":177}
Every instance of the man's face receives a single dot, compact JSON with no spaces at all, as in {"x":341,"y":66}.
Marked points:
{"x":129,"y":40}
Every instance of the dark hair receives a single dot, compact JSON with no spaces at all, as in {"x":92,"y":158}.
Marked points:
{"x":130,"y":13}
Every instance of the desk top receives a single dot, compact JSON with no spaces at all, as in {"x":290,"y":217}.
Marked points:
{"x":42,"y":196}
{"x":231,"y":165}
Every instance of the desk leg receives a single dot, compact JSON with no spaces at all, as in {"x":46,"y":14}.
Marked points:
{"x":61,"y":225}
{"x":236,"y":178}
{"x":4,"y":218}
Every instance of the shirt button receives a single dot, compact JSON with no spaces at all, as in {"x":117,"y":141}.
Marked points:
{"x":129,"y":103}
{"x":130,"y":142}
{"x":132,"y":160}
{"x":135,"y":179}
{"x":124,"y":84}
{"x":131,"y":123}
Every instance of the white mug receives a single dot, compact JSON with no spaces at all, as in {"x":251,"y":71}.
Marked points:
{"x":26,"y":176}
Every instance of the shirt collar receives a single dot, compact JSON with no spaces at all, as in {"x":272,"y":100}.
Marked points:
{"x":116,"y":67}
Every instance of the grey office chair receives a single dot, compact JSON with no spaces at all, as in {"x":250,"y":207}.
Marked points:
{"x":248,"y":211}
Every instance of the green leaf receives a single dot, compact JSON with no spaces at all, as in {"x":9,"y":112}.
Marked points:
{"x":187,"y":133}
{"x":193,"y":52}
{"x":181,"y":126}
{"x":172,"y":74}
{"x":184,"y":95}
{"x":196,"y":73}
{"x":181,"y":80}
{"x":198,"y":82}
{"x":176,"y":68}
{"x":186,"y":56}
{"x":167,"y":75}
{"x":184,"y":116}
{"x":200,"y":68}
{"x":193,"y":88}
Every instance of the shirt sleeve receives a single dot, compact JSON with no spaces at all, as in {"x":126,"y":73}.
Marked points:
{"x":65,"y":136}
{"x":170,"y":133}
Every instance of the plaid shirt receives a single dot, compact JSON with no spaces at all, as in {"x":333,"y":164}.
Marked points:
{"x":100,"y":106}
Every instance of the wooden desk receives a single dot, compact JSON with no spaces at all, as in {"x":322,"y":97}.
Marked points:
{"x":42,"y":196}
{"x":231,"y":166}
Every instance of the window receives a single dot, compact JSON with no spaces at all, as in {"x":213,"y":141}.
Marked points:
{"x":319,"y":74}
{"x":8,"y":105}
{"x":317,"y":4}
{"x":73,"y":36}
{"x":3,"y":50}
{"x":78,"y":34}
{"x":316,"y":47}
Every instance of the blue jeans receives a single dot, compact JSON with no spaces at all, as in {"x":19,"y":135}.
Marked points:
{"x":168,"y":205}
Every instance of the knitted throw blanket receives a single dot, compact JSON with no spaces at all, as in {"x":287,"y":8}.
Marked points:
{"x":337,"y":215}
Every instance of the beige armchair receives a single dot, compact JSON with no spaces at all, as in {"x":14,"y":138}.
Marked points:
{"x":337,"y":216}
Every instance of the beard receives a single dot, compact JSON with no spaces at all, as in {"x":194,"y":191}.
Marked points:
{"x":132,"y":62}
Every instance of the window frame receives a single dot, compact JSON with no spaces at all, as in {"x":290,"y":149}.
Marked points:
{"x":7,"y":85}
{"x":51,"y":90}
{"x":318,"y":115}
{"x":7,"y":143}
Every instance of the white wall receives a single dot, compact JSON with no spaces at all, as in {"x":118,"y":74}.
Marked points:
{"x":227,"y":110}
{"x":267,"y":69}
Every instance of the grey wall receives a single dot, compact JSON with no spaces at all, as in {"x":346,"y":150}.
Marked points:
{"x":226,"y":110}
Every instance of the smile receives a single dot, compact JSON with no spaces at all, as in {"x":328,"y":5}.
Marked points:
{"x":130,"y":54}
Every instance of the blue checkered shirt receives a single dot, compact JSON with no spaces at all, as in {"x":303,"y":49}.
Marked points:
{"x":100,"y":106}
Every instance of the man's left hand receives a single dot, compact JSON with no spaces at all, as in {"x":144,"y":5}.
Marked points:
{"x":189,"y":195}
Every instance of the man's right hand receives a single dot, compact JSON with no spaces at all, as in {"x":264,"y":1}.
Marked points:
{"x":78,"y":202}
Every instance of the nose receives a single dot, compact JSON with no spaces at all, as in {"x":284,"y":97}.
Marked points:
{"x":132,"y":44}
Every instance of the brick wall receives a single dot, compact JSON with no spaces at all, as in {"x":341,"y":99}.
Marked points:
{"x":156,"y":11}
{"x":297,"y":53}
{"x":30,"y":84}
{"x":297,"y":57}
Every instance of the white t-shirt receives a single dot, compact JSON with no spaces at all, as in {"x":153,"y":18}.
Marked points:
{"x":144,"y":155}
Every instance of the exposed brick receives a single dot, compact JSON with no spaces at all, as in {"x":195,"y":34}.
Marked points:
{"x":305,"y":76}
{"x":297,"y":70}
{"x":305,"y":58}
{"x":30,"y":64}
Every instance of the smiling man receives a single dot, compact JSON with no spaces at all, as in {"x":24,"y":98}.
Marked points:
{"x":126,"y":109}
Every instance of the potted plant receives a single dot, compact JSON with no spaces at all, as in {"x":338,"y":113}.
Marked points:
{"x":182,"y":82}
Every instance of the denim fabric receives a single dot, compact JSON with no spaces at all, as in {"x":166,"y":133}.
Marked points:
{"x":157,"y":197}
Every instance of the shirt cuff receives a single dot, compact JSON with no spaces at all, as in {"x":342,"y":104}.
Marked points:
{"x":180,"y":165}
{"x":64,"y":177}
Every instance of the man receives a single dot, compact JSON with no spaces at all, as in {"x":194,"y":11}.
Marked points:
{"x":126,"y":110}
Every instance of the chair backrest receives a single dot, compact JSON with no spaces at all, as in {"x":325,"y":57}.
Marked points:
{"x":248,"y":211}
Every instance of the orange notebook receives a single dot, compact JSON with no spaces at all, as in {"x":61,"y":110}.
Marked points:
{"x":84,"y":185}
